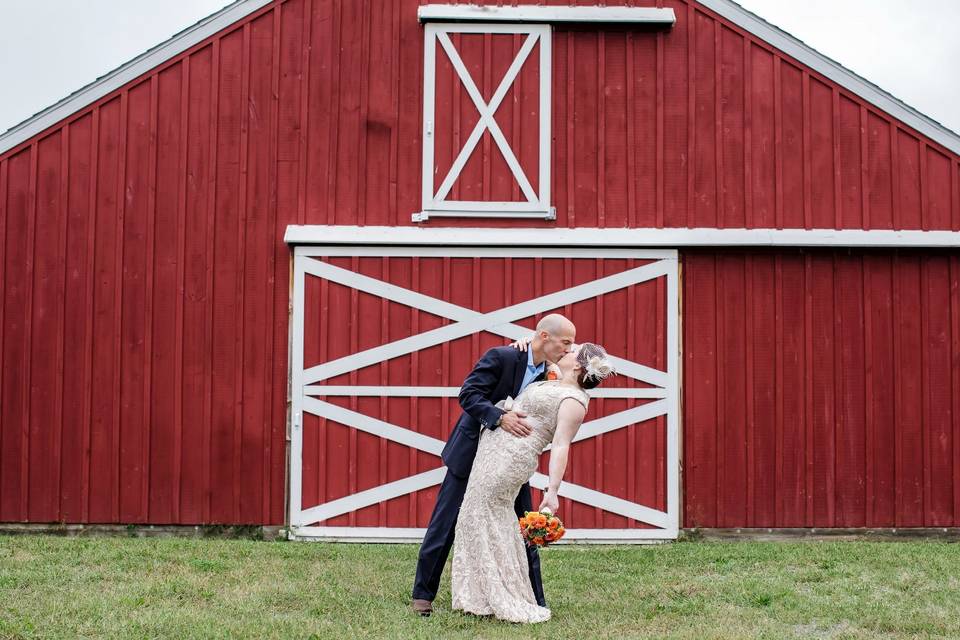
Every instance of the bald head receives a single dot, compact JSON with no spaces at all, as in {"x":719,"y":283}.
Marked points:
{"x":554,"y":338}
{"x":555,"y":324}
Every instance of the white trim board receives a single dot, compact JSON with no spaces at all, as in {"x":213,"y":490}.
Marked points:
{"x":133,"y":69}
{"x":615,"y":237}
{"x":494,"y":13}
{"x":242,"y":8}
{"x":414,"y":535}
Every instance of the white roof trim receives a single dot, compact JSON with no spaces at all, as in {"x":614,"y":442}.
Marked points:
{"x":532,"y":13}
{"x":834,"y":71}
{"x":242,"y":8}
{"x":129,"y":71}
{"x":617,"y":237}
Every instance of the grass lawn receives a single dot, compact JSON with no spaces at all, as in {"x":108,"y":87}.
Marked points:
{"x":181,"y":588}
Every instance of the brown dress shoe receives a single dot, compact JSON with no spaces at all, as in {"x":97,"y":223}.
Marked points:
{"x":423,"y":607}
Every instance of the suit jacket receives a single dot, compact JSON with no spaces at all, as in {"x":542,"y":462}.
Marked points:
{"x":498,"y":374}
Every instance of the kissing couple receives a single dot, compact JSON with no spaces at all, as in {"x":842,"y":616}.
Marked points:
{"x":492,"y":452}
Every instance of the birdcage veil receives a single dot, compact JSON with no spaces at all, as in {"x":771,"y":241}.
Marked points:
{"x":595,"y":362}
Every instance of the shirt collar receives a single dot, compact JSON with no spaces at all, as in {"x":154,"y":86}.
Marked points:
{"x":530,"y":365}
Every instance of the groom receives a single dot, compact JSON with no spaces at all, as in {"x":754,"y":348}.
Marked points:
{"x":502,"y":371}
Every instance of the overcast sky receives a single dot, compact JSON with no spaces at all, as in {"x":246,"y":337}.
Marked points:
{"x":50,"y":48}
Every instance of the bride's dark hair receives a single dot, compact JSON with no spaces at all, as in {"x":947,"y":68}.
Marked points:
{"x":587,"y":351}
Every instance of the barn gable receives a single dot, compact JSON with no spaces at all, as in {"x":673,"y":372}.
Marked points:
{"x":240,"y":10}
{"x":692,"y":152}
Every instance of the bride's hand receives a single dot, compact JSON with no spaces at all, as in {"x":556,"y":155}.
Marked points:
{"x":522,"y":343}
{"x":550,"y":501}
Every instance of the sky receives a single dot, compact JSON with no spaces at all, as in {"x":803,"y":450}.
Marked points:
{"x":50,"y":48}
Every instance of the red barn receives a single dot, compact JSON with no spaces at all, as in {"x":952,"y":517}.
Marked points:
{"x":244,"y":274}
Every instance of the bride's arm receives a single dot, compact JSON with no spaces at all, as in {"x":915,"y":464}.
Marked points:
{"x":569,"y":418}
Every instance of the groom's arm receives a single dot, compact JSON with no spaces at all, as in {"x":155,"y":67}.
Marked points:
{"x":478,"y":386}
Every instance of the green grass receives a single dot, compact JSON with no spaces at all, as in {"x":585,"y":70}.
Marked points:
{"x":185,"y":588}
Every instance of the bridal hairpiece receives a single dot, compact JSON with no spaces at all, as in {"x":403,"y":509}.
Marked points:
{"x":599,"y":368}
{"x":593,"y":358}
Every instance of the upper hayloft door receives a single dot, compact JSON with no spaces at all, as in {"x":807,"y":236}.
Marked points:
{"x":486,"y":121}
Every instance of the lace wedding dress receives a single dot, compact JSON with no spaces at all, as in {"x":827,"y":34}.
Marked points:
{"x":490,"y":570}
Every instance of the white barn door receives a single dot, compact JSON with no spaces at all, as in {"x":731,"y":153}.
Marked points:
{"x":381,"y":338}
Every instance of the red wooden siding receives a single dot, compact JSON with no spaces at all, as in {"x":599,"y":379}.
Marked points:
{"x":821,"y":389}
{"x":145,"y":284}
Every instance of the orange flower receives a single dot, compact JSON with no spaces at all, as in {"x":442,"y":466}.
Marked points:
{"x":550,"y":536}
{"x":553,"y":524}
{"x":541,"y":520}
{"x":538,"y":541}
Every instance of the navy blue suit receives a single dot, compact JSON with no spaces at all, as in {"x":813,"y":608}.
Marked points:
{"x":496,"y":375}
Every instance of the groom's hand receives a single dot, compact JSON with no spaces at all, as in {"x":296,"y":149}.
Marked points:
{"x":513,"y":422}
{"x":522,"y":343}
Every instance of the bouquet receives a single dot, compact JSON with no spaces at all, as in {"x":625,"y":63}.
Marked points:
{"x":540,"y":528}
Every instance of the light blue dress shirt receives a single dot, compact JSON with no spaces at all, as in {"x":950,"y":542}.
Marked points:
{"x":533,"y":370}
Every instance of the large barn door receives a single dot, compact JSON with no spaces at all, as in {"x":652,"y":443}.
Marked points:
{"x":382,"y":337}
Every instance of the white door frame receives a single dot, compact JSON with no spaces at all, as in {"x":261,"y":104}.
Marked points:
{"x":306,"y":384}
{"x":434,"y":203}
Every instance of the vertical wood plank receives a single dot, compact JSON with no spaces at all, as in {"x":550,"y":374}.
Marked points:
{"x":17,"y":276}
{"x":601,"y":122}
{"x":749,"y":397}
{"x":571,"y":142}
{"x":167,"y":362}
{"x":808,"y":414}
{"x":868,"y":400}
{"x":176,"y":484}
{"x":90,"y":310}
{"x":864,"y":181}
{"x":44,"y":330}
{"x":132,"y":301}
{"x":793,"y":493}
{"x":64,"y":195}
{"x":778,"y":193}
{"x":835,"y":149}
{"x":938,"y":394}
{"x":807,"y":153}
{"x":151,"y":185}
{"x":660,"y":159}
{"x":4,"y":437}
{"x":955,"y":377}
{"x":117,"y":308}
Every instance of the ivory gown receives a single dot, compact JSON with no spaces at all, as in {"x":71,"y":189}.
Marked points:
{"x":490,"y":569}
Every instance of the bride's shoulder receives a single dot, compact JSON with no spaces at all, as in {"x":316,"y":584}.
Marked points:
{"x":578,"y":394}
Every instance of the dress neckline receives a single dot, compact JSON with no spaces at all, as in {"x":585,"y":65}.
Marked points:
{"x":560,"y":384}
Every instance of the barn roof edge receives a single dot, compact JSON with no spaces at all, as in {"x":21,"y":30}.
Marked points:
{"x":120,"y":76}
{"x":833,"y":70}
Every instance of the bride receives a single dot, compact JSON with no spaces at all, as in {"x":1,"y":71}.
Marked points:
{"x":490,"y":572}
